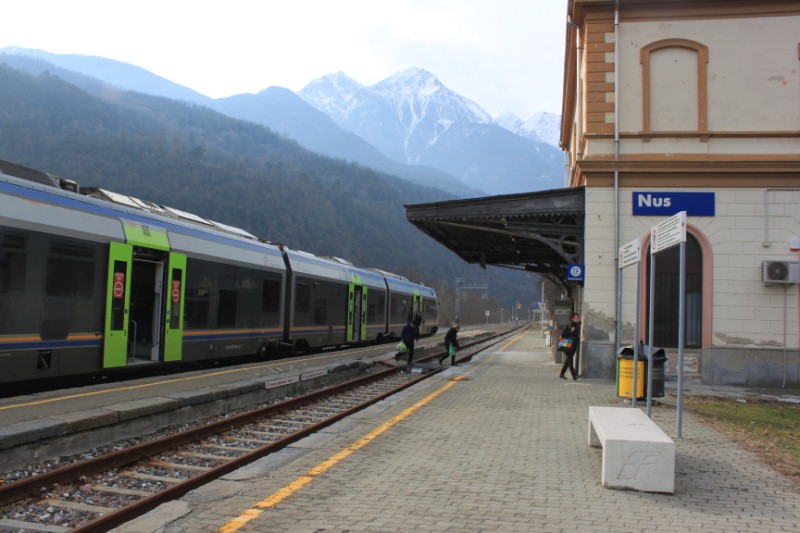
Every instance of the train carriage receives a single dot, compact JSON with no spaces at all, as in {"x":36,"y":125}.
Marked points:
{"x":318,"y":295}
{"x":102,"y":281}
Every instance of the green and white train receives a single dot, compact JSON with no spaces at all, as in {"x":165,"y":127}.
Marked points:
{"x":95,"y":282}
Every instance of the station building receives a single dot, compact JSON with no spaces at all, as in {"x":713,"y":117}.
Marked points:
{"x":668,"y":106}
{"x":689,"y":106}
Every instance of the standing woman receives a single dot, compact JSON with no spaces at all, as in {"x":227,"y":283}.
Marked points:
{"x":571,"y":331}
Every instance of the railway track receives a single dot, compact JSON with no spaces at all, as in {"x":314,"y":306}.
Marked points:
{"x":103,"y":492}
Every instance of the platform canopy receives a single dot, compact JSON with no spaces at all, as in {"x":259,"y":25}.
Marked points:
{"x":539,"y":232}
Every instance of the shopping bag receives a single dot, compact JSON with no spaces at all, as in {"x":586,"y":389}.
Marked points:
{"x":401,"y":347}
{"x":451,"y":351}
{"x":564,"y":344}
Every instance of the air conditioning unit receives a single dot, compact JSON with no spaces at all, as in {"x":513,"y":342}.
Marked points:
{"x":780,"y":271}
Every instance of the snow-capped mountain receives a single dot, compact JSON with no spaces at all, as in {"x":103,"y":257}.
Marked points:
{"x":542,"y":126}
{"x":333,"y":94}
{"x":413,"y":118}
{"x":402,"y":115}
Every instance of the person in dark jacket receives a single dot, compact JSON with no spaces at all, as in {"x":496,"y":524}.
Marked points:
{"x":409,"y":334}
{"x":571,"y":331}
{"x":450,"y":339}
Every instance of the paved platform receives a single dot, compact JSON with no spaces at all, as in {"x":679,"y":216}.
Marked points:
{"x":497,"y":444}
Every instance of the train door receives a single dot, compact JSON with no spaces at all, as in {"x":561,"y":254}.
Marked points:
{"x":364,"y":313}
{"x":417,"y":305}
{"x":145,"y":298}
{"x":356,"y":311}
{"x":173,"y":325}
{"x":146,"y":304}
{"x":353,"y":312}
{"x":115,"y":340}
{"x":156,"y":309}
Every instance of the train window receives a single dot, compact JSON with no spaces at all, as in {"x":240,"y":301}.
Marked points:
{"x":320,"y":312}
{"x":13,"y":242}
{"x":371,"y":313}
{"x":399,"y":307}
{"x":271,"y":296}
{"x":303,"y":298}
{"x":196,"y":303}
{"x":70,"y":270}
{"x":12,"y":264}
{"x":226,"y":312}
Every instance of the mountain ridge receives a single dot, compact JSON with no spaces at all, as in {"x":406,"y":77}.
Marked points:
{"x":395,"y":147}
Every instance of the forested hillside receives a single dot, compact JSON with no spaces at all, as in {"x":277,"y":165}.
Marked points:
{"x":235,"y":172}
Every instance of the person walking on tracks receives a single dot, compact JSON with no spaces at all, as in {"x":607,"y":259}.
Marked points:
{"x":409,"y":334}
{"x":568,"y":345}
{"x":451,"y":344}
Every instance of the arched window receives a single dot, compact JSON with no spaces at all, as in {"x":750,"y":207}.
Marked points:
{"x":674,"y":86}
{"x":665,"y":330}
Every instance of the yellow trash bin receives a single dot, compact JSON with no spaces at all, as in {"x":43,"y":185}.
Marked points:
{"x":625,"y":374}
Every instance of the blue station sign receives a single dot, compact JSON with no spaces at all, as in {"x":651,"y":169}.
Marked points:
{"x":575,"y":272}
{"x":654,"y":203}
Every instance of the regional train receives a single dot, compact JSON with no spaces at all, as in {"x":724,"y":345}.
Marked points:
{"x":96,"y":282}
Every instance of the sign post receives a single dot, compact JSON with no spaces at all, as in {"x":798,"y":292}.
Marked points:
{"x":668,"y":233}
{"x":631,"y":254}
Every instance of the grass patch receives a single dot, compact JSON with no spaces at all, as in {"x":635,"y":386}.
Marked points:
{"x":770,"y":429}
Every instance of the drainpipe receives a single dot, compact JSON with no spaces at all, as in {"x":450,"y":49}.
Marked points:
{"x":618,"y":321}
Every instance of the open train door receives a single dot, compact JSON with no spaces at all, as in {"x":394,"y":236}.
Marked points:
{"x":418,"y":305}
{"x":173,"y":328}
{"x":356,"y":310}
{"x":118,"y":300}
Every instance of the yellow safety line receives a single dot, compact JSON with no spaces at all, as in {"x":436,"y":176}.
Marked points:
{"x":258,"y":509}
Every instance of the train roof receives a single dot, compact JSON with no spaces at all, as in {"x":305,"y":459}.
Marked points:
{"x":194,"y":229}
{"x":88,"y":214}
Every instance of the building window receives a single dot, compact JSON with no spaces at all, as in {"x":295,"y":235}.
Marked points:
{"x":674,"y":86}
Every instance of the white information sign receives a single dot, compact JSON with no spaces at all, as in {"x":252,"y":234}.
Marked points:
{"x":630,"y":253}
{"x":668,"y":232}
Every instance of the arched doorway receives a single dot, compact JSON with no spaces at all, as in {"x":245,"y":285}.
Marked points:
{"x":665,"y":330}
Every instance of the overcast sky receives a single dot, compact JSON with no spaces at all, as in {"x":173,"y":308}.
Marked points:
{"x":506,"y":55}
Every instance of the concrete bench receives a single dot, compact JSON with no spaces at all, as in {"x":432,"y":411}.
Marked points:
{"x":637,"y":454}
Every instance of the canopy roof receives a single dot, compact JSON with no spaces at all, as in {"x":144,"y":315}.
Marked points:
{"x":540,"y":232}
